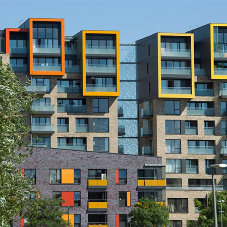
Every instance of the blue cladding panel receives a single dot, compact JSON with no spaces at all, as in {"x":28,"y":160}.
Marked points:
{"x":128,"y":53}
{"x":131,"y":127}
{"x":130,"y":109}
{"x":127,"y":71}
{"x":128,"y":90}
{"x":130,"y":146}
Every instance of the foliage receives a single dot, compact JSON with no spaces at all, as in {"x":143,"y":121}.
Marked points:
{"x":206,"y":213}
{"x":13,"y":106}
{"x":148,"y":213}
{"x":45,"y":212}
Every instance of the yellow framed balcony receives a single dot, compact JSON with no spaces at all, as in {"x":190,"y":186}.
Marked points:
{"x":98,"y":224}
{"x":97,"y":183}
{"x":97,"y":206}
{"x":151,"y":183}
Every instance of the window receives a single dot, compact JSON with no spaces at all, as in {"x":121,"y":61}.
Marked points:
{"x":178,"y":205}
{"x":173,"y":165}
{"x":55,"y":176}
{"x":77,"y":220}
{"x":97,"y":174}
{"x":172,"y":107}
{"x":63,"y":125}
{"x":148,"y":194}
{"x":200,"y":182}
{"x":147,"y":174}
{"x":204,"y":204}
{"x":72,"y":143}
{"x":176,"y":223}
{"x":176,"y":44}
{"x":100,"y":41}
{"x":100,"y":105}
{"x":100,"y":125}
{"x":77,"y":199}
{"x":77,"y":177}
{"x":41,"y":102}
{"x":121,"y":176}
{"x":18,"y":62}
{"x":224,"y":108}
{"x":101,"y":144}
{"x":82,"y":125}
{"x":102,"y":62}
{"x":173,"y":146}
{"x":147,"y":68}
{"x":192,"y":166}
{"x":124,"y":199}
{"x":57,"y":194}
{"x":173,"y":127}
{"x":30,"y":175}
{"x":174,"y":64}
{"x":224,"y":170}
{"x":208,"y":169}
{"x":41,"y":82}
{"x":173,"y":182}
{"x":41,"y":121}
{"x":123,"y":220}
{"x":71,"y":105}
{"x":209,"y":127}
{"x":149,"y":50}
{"x":224,"y":127}
{"x":41,"y":142}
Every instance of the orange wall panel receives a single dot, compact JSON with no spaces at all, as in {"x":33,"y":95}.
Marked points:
{"x":68,"y":197}
{"x":116,"y":176}
{"x":117,"y":220}
{"x":22,"y":222}
{"x":67,"y":176}
{"x":128,"y":199}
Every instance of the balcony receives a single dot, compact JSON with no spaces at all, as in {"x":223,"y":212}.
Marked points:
{"x":73,"y":147}
{"x":220,"y":71}
{"x":71,"y":109}
{"x":197,"y":188}
{"x":44,"y":108}
{"x":204,"y":92}
{"x":146,"y":132}
{"x":82,"y":128}
{"x":223,"y":152}
{"x":220,"y":54}
{"x":176,"y":90}
{"x":121,"y":130}
{"x":184,"y":53}
{"x":39,"y":89}
{"x":68,"y":89}
{"x":97,"y":224}
{"x":200,"y":112}
{"x":100,"y":88}
{"x":19,"y":68}
{"x":101,"y":69}
{"x":42,"y":128}
{"x":42,"y":49}
{"x":223,"y":93}
{"x":192,"y":169}
{"x":70,"y":51}
{"x":176,"y":71}
{"x":209,"y":131}
{"x":147,"y":151}
{"x":63,"y":128}
{"x":72,"y":69}
{"x":96,"y":205}
{"x":100,"y":50}
{"x":200,"y":72}
{"x":191,"y":131}
{"x":120,"y":149}
{"x":201,"y":150}
{"x":146,"y":113}
{"x":148,"y":182}
{"x":46,"y":67}
{"x":19,"y":50}
{"x":97,"y":183}
{"x":120,"y":112}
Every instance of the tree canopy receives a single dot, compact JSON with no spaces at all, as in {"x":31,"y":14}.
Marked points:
{"x":148,"y":213}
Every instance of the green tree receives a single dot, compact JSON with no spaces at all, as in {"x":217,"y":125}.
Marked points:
{"x":13,"y":130}
{"x":148,"y":213}
{"x":46,"y":212}
{"x":206,"y":214}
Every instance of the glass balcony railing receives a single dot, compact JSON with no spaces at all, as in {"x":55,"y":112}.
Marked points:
{"x":72,"y":69}
{"x":68,"y":89}
{"x":200,"y":72}
{"x":103,"y":50}
{"x":176,"y":90}
{"x":72,"y":147}
{"x":200,"y":112}
{"x":176,"y":53}
{"x":197,"y":188}
{"x":19,"y":50}
{"x":69,"y":50}
{"x":209,"y":131}
{"x":43,"y":108}
{"x":43,"y":49}
{"x":120,"y":149}
{"x":46,"y":67}
{"x":39,"y":145}
{"x":201,"y":150}
{"x":81,"y":128}
{"x":121,"y":130}
{"x":100,"y":88}
{"x":71,"y":109}
{"x":146,"y":113}
{"x":120,"y":112}
{"x":176,"y":70}
{"x":147,"y":151}
{"x":101,"y":69}
{"x":191,"y":131}
{"x":193,"y":169}
{"x":38,"y":89}
{"x":42,"y":128}
{"x":220,"y":54}
{"x":220,"y":71}
{"x":204,"y":92}
{"x":223,"y":92}
{"x":223,"y":151}
{"x":19,"y":68}
{"x":63,"y":128}
{"x":146,"y":132}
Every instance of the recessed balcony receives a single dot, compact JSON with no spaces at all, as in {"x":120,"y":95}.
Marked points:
{"x":100,"y":50}
{"x":191,"y":131}
{"x":146,"y":132}
{"x":70,"y":51}
{"x":183,"y":53}
{"x":71,"y":109}
{"x":209,"y":131}
{"x":72,"y":69}
{"x":176,"y":90}
{"x":19,"y":68}
{"x":200,"y":112}
{"x":42,"y":49}
{"x":82,"y":128}
{"x":19,"y":50}
{"x":103,"y":69}
{"x":176,"y":71}
{"x":97,"y":183}
{"x":72,"y":147}
{"x":63,"y":128}
{"x":192,"y":169}
{"x":201,"y":150}
{"x":42,"y":128}
{"x":68,"y":89}
{"x":44,"y":108}
{"x":204,"y":92}
{"x":46,"y":67}
{"x":147,"y":151}
{"x":146,"y":113}
{"x":97,"y":205}
{"x":100,"y":88}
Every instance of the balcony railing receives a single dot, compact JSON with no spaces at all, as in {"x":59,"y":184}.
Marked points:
{"x":146,"y":132}
{"x":72,"y":69}
{"x":121,"y":130}
{"x":191,"y":131}
{"x":204,"y":92}
{"x":98,"y":205}
{"x":201,"y":150}
{"x":223,"y":92}
{"x":176,"y":90}
{"x":220,"y":54}
{"x":176,"y":70}
{"x":209,"y":131}
{"x":71,"y":108}
{"x":39,"y":89}
{"x":150,"y":182}
{"x":79,"y":147}
{"x":19,"y":68}
{"x":200,"y":112}
{"x":193,"y":169}
{"x":97,"y":224}
{"x":200,"y":72}
{"x":42,"y":128}
{"x":120,"y":112}
{"x":63,"y":128}
{"x":46,"y":67}
{"x":147,"y":151}
{"x":103,"y":50}
{"x":43,"y":49}
{"x":185,"y":53}
{"x":68,"y":89}
{"x":146,"y":113}
{"x":43,"y":108}
{"x":19,"y":50}
{"x":82,"y":128}
{"x":97,"y":182}
{"x":38,"y":145}
{"x":220,"y":71}
{"x":223,"y":151}
{"x":94,"y":68}
{"x":100,"y":88}
{"x":69,"y":50}
{"x":197,"y":188}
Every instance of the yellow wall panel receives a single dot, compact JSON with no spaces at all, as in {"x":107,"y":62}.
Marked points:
{"x":67,"y":176}
{"x":97,"y":205}
{"x":97,"y":225}
{"x":140,"y":182}
{"x":97,"y":182}
{"x":69,"y":217}
{"x":128,"y":199}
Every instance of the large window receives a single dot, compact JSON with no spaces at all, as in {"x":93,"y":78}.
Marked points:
{"x":208,"y":169}
{"x":101,"y":144}
{"x":41,"y":82}
{"x":173,"y":165}
{"x":55,"y":176}
{"x":172,"y":107}
{"x":175,"y":223}
{"x":147,"y":174}
{"x":148,"y":194}
{"x":100,"y":105}
{"x":30,"y":175}
{"x":100,"y":125}
{"x":18,"y":62}
{"x":176,"y":44}
{"x":103,"y":62}
{"x":224,"y":108}
{"x":224,"y":127}
{"x":42,"y":121}
{"x":173,"y":127}
{"x":178,"y":205}
{"x":173,"y":182}
{"x":100,"y":41}
{"x":173,"y":146}
{"x":46,"y":61}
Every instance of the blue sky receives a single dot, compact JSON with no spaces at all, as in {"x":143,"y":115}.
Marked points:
{"x":134,"y":19}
